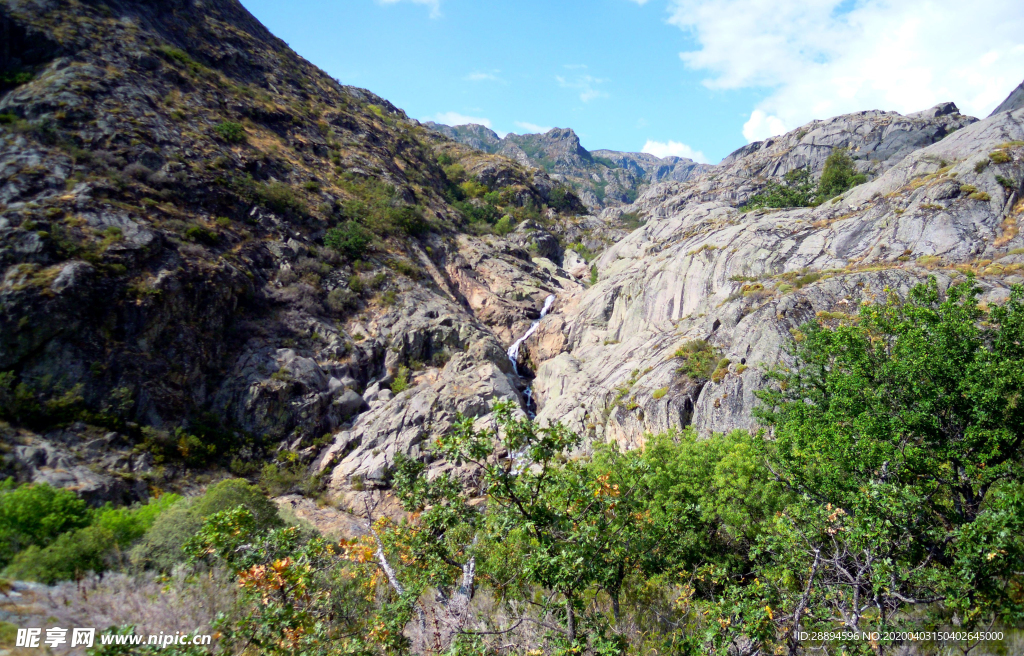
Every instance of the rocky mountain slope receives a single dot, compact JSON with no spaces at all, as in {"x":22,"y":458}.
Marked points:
{"x":214,"y":254}
{"x":740,"y":284}
{"x":216,"y":258}
{"x":1013,"y":101}
{"x":601,"y":178}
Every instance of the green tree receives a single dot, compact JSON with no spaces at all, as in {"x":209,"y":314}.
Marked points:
{"x":350,"y":239}
{"x":795,"y":190}
{"x":557,"y":523}
{"x":35,"y":515}
{"x":161,"y":546}
{"x":900,"y":433}
{"x":838,"y":175}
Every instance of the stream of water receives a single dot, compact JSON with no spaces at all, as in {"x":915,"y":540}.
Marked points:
{"x":513,"y":351}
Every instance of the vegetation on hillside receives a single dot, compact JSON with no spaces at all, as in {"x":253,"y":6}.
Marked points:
{"x":885,"y":494}
{"x":798,"y":190}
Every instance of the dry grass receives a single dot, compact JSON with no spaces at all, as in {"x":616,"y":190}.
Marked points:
{"x":1008,"y":232}
{"x":179,"y":603}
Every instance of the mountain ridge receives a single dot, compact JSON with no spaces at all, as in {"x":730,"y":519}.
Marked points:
{"x":602,"y":178}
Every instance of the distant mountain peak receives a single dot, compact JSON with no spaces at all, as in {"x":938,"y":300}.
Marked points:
{"x":601,"y":178}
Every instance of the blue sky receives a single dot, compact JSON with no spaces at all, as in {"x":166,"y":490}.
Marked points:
{"x":697,"y":78}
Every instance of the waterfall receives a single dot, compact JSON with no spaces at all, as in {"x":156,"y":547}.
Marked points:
{"x":513,"y":351}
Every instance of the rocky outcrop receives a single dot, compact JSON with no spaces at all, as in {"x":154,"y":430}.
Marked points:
{"x":99,"y":466}
{"x":700,"y":269}
{"x":1013,"y":101}
{"x":654,"y":169}
{"x":602,"y":178}
{"x":473,"y":135}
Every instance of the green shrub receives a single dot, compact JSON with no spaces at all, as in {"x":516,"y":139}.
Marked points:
{"x":70,"y":556}
{"x":401,"y":381}
{"x":1007,"y":183}
{"x":807,"y":279}
{"x":406,"y":219}
{"x":999,"y":157}
{"x":593,"y":274}
{"x":230,"y":132}
{"x":406,"y":268}
{"x":699,"y":359}
{"x":631,"y":220}
{"x":278,"y":480}
{"x":721,"y":369}
{"x":796,"y":190}
{"x":24,"y":404}
{"x":279,"y":197}
{"x":582,"y":251}
{"x":473,"y":189}
{"x":659,"y":393}
{"x":35,"y":515}
{"x":10,"y":79}
{"x":193,"y":450}
{"x":340,"y":300}
{"x":8,"y":634}
{"x":90,"y":549}
{"x":349,"y":239}
{"x":355,"y":283}
{"x":561,"y":199}
{"x":503,"y":226}
{"x":129,"y":523}
{"x":196,"y":233}
{"x":236,"y":492}
{"x":160,"y":547}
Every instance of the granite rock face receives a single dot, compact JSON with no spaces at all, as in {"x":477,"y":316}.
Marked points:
{"x":1014,"y":101}
{"x":700,"y":269}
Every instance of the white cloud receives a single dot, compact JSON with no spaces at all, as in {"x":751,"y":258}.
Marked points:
{"x":822,"y":58}
{"x":532,"y":127}
{"x":640,"y":2}
{"x":435,"y":5}
{"x":455,"y":118}
{"x":480,"y":76}
{"x":761,"y":126}
{"x":585,"y":84}
{"x":665,"y":149}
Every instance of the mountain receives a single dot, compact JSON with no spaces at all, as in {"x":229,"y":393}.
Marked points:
{"x":943,"y":199}
{"x":214,"y":254}
{"x":217,"y":258}
{"x":474,"y":136}
{"x":602,"y":178}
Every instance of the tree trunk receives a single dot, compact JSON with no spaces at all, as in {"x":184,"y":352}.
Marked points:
{"x":570,"y":618}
